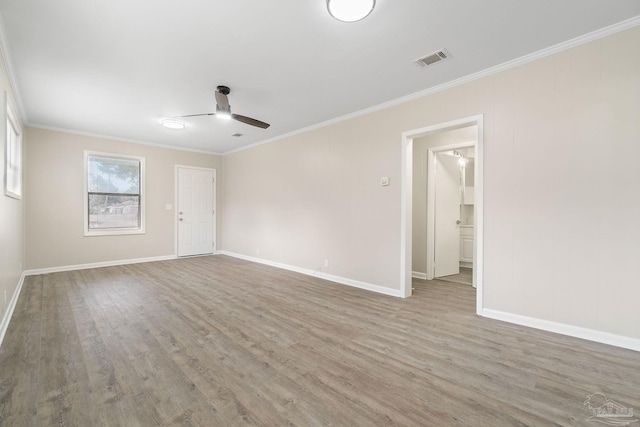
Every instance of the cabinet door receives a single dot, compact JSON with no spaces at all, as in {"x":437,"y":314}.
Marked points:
{"x":466,"y":248}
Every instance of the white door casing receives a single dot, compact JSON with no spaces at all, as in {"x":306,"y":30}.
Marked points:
{"x":195,"y":211}
{"x":447,"y":215}
{"x":406,"y":202}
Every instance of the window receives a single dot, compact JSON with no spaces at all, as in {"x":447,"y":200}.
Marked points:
{"x":13,"y":166}
{"x":114,"y":196}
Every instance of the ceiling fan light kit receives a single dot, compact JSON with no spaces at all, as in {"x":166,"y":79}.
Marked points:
{"x":223,"y":110}
{"x":223,"y":114}
{"x":173,"y":123}
{"x":350,"y":10}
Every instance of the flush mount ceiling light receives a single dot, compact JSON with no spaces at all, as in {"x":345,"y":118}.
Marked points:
{"x":173,"y":124}
{"x":350,"y":10}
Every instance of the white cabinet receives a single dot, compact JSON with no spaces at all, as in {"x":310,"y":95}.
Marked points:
{"x":466,"y":244}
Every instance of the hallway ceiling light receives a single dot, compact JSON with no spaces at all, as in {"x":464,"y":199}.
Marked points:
{"x":350,"y":10}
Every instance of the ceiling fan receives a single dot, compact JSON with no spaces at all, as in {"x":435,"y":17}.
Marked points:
{"x":223,"y":110}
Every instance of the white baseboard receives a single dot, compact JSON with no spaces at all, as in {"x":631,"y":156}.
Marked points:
{"x":418,"y":275}
{"x":96,"y":265}
{"x":319,"y":274}
{"x":564,"y":329}
{"x":12,"y":305}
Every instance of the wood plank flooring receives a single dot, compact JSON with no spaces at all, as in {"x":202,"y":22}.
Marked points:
{"x":465,"y":277}
{"x":216,"y":341}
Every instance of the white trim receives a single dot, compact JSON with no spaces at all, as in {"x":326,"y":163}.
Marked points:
{"x":12,"y":305}
{"x":337,"y":279}
{"x":557,"y":48}
{"x":13,"y":151}
{"x":565,"y":329}
{"x":478,"y":218}
{"x":117,"y":138}
{"x":214,"y":238}
{"x":142,"y":191}
{"x":406,"y":216}
{"x":418,"y":275}
{"x":431,"y":213}
{"x":406,"y":225}
{"x":87,"y":266}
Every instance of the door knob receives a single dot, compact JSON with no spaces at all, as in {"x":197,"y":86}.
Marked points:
{"x":180,"y":219}
{"x":457,"y":222}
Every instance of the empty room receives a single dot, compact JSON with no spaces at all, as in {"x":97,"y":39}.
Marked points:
{"x":320,"y":213}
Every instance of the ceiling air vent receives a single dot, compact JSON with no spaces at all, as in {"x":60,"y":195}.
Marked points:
{"x":433,"y":58}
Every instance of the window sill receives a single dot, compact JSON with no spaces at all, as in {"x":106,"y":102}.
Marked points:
{"x":118,"y":232}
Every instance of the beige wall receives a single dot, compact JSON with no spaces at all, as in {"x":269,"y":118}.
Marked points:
{"x":561,"y":142}
{"x":312,"y":197}
{"x":54,"y":202}
{"x":11,"y":218}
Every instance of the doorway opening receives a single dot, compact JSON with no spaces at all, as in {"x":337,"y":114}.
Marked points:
{"x":447,"y":243}
{"x":414,"y":229}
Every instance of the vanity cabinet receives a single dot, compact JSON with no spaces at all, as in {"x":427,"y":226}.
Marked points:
{"x":466,"y":244}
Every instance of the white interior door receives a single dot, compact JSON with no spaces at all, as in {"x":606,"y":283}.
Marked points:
{"x":447,"y":215}
{"x":196,"y":215}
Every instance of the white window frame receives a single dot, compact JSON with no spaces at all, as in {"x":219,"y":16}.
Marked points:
{"x":13,"y":153}
{"x":113,"y":231}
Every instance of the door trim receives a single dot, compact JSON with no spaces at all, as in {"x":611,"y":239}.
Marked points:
{"x":177,"y":199}
{"x":406,"y":207}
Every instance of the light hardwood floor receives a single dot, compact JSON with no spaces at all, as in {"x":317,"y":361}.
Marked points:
{"x":217,"y":341}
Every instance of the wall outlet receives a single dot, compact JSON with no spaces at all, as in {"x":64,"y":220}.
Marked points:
{"x":326,"y":263}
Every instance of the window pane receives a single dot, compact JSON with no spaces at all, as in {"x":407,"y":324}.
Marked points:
{"x":113,"y":211}
{"x":108,"y":175}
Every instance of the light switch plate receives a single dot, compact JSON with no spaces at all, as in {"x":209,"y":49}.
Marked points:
{"x":384,"y":181}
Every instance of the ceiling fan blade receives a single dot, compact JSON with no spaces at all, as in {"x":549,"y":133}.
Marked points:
{"x":250,"y":121}
{"x":196,"y":115}
{"x":223,"y":101}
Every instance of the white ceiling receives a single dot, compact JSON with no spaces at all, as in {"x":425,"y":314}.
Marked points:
{"x":116,"y":67}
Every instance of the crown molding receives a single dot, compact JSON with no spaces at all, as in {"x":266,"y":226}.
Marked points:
{"x":115,"y":138}
{"x":557,"y":48}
